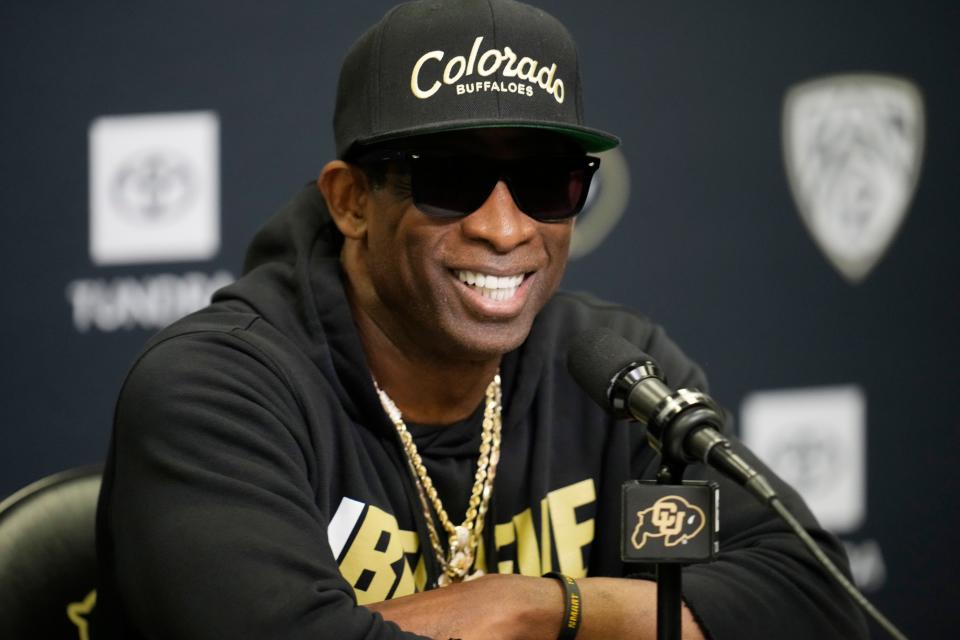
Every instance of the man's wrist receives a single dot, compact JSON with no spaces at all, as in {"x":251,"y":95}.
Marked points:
{"x":572,"y":606}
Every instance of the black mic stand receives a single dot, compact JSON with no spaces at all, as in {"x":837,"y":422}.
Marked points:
{"x":669,"y":574}
{"x":670,"y":523}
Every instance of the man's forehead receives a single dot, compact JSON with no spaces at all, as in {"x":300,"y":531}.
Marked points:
{"x":493,"y":141}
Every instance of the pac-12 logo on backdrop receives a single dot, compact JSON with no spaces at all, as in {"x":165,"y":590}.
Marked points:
{"x":853,"y":146}
{"x":154,"y":188}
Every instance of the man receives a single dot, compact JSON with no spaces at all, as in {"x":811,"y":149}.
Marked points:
{"x":372,"y":434}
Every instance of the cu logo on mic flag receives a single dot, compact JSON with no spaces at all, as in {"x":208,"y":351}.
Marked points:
{"x":671,"y":518}
{"x":669,"y":523}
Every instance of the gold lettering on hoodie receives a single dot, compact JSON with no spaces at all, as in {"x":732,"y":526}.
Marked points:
{"x":378,"y":554}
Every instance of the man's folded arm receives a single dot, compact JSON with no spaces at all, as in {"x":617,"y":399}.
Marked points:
{"x":511,"y":606}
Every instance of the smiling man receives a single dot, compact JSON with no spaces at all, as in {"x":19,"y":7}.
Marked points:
{"x":372,"y":433}
{"x":445,"y":273}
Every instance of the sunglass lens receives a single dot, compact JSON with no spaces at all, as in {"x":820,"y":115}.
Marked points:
{"x":451,"y":187}
{"x":552,"y":188}
{"x":545,"y":188}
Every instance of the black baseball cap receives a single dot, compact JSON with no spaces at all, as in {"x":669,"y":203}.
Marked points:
{"x":445,"y":65}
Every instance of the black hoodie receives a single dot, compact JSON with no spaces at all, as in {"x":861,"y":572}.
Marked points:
{"x":256,"y":489}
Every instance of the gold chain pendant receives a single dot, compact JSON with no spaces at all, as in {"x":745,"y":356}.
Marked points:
{"x":460,"y":558}
{"x":463,"y":539}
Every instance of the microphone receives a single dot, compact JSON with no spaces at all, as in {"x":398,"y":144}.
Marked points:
{"x":683,"y":425}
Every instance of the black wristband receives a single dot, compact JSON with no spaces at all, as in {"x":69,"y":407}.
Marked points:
{"x":572,"y":611}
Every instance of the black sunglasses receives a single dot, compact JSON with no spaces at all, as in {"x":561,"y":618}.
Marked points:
{"x":546,"y":188}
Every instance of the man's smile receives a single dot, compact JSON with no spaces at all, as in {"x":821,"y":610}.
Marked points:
{"x":490,"y":285}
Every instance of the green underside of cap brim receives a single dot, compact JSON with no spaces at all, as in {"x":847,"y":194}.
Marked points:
{"x":592,"y":140}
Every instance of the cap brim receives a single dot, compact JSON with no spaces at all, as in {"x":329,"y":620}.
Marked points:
{"x":592,"y":140}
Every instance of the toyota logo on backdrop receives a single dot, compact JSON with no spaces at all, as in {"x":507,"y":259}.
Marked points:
{"x":154,"y":198}
{"x":807,"y":461}
{"x":153,"y":186}
{"x":815,"y":439}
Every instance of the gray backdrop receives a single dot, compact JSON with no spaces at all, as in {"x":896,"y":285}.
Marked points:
{"x":711,"y":243}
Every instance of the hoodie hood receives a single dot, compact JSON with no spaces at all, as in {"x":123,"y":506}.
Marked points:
{"x":293,"y":280}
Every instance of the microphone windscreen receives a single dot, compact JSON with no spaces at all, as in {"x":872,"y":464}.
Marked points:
{"x":596,"y":357}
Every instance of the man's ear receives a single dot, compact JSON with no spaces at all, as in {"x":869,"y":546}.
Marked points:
{"x":346,"y":189}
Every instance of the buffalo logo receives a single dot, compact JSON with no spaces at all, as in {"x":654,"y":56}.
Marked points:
{"x":78,"y":613}
{"x":853,"y":146}
{"x":152,"y":186}
{"x":671,"y":518}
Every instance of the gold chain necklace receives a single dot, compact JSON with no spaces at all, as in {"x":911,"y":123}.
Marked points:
{"x":462,"y":539}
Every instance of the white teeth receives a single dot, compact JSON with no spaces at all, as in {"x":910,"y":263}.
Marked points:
{"x":491,"y":286}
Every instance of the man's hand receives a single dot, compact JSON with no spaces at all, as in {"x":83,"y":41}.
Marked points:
{"x":506,"y":606}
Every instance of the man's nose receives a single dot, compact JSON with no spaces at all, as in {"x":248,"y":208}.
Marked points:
{"x":499,"y":221}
